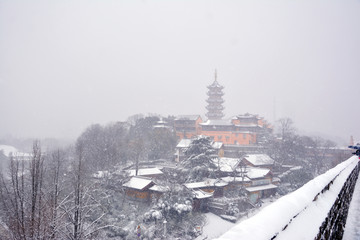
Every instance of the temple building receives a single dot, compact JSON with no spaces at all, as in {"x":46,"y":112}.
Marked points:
{"x":246,"y":129}
{"x":187,"y":126}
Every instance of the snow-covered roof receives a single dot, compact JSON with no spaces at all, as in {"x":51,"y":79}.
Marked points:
{"x":259,"y":159}
{"x":221,"y":122}
{"x":254,"y":173}
{"x":207,"y":183}
{"x":199,"y":194}
{"x":276,"y":179}
{"x":145,"y":172}
{"x":260,"y":188}
{"x":101,"y":174}
{"x":226,"y":164}
{"x":138,"y":183}
{"x":217,"y":145}
{"x":158,"y":188}
{"x":215,"y":84}
{"x":184,"y":143}
{"x":236,"y":179}
{"x":187,"y":117}
{"x":246,"y":115}
{"x":160,"y":126}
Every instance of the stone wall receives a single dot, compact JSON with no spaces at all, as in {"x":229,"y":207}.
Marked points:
{"x":334,"y":224}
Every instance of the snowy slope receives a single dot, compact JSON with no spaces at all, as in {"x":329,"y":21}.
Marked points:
{"x":214,"y":227}
{"x":272,"y":219}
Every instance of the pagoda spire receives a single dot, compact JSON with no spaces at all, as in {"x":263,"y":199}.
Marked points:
{"x":215,"y":100}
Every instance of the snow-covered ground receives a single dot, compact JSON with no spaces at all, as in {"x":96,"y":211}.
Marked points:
{"x":310,"y":214}
{"x":352,"y":228}
{"x":215,"y":226}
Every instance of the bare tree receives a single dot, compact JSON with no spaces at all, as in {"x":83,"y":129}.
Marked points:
{"x":81,"y":207}
{"x":22,"y":196}
{"x":55,"y":176}
{"x":286,"y":127}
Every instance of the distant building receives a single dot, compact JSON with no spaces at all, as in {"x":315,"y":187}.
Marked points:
{"x":161,"y":125}
{"x":215,"y":101}
{"x":146,"y":172}
{"x":187,"y":126}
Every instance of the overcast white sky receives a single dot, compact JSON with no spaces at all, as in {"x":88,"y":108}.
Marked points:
{"x":67,"y":64}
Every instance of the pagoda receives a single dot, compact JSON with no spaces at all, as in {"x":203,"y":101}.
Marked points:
{"x":215,"y":101}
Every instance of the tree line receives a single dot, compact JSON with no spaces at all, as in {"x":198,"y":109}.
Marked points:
{"x":53,"y":194}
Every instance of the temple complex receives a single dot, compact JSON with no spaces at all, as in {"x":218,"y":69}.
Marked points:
{"x":242,"y":129}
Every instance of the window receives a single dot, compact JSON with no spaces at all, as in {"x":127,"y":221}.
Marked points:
{"x":244,"y":136}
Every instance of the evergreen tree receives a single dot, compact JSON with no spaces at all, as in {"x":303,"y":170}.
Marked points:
{"x":198,"y":159}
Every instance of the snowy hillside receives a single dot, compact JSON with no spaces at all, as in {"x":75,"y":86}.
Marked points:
{"x":6,"y":149}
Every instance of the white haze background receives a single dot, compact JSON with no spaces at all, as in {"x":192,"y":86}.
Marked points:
{"x":67,"y":64}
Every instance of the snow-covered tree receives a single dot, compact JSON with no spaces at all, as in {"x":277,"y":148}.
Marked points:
{"x":82,"y":206}
{"x":23,"y":198}
{"x":199,"y":159}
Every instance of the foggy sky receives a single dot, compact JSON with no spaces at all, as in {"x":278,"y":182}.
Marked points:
{"x":67,"y":64}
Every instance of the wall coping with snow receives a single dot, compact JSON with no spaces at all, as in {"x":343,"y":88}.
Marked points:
{"x":299,"y":214}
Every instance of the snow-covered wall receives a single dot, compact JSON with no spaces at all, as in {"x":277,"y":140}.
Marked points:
{"x":301,"y":213}
{"x":334,"y":225}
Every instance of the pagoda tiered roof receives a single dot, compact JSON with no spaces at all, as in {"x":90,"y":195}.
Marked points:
{"x":215,"y":107}
{"x":215,"y":84}
{"x":213,"y":93}
{"x":215,"y":100}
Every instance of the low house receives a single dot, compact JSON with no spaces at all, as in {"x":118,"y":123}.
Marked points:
{"x":261,"y":183}
{"x":137,"y":188}
{"x":258,"y":160}
{"x":180,"y":149}
{"x":255,"y":193}
{"x":215,"y":186}
{"x":201,"y":199}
